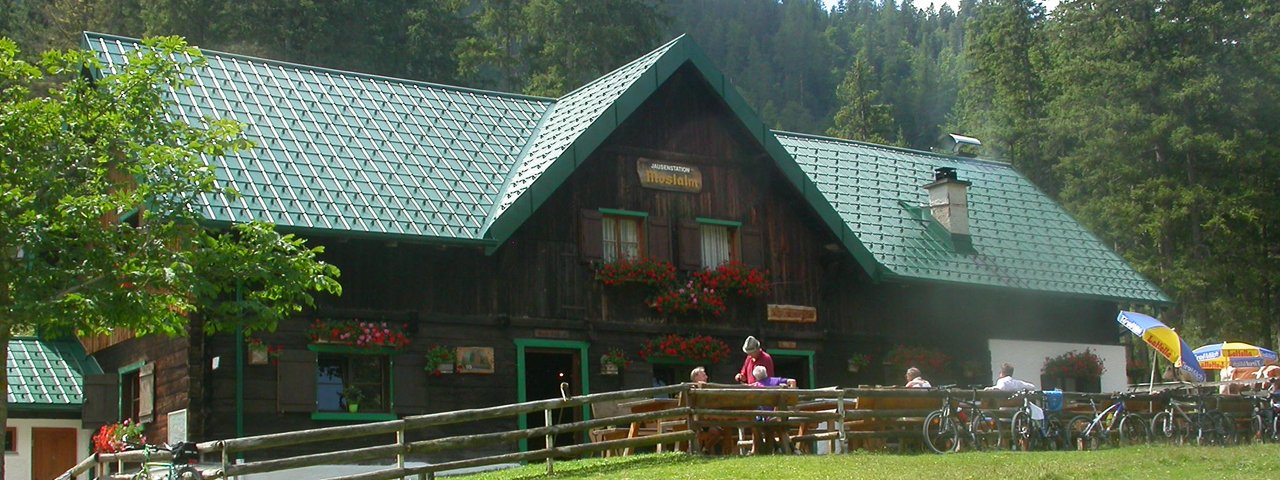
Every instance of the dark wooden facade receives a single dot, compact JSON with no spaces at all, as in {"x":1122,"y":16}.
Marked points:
{"x":538,"y":285}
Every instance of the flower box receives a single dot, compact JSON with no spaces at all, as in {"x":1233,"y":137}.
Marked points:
{"x":696,"y":349}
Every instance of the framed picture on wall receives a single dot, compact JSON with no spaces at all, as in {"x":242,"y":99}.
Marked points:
{"x":475,"y":359}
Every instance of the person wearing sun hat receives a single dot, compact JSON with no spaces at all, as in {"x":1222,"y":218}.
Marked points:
{"x":755,"y":356}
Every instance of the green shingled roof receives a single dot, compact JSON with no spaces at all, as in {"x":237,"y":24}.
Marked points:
{"x":48,"y":375}
{"x":354,"y":153}
{"x":366,"y":155}
{"x":1021,"y":238}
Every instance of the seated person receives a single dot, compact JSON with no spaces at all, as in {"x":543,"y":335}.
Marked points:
{"x":1007,"y":383}
{"x":914,"y":380}
{"x":768,"y":436}
{"x":711,"y":439}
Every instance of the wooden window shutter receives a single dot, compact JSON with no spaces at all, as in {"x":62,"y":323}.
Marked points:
{"x":690,"y":241}
{"x":752,"y":241}
{"x":590,"y":236}
{"x":296,"y":381}
{"x":409,"y":382}
{"x":101,"y":400}
{"x":659,"y":232}
{"x":147,"y":392}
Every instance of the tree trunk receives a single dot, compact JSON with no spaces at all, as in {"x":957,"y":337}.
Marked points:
{"x":4,"y":387}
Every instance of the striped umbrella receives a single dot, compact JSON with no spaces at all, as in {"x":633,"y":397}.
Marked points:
{"x":1164,"y":340}
{"x":1237,"y":354}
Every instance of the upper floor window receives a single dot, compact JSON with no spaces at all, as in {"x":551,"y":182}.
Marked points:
{"x":621,"y":236}
{"x":719,"y":242}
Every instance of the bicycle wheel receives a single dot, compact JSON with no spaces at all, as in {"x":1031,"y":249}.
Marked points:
{"x":1224,"y":428}
{"x":1165,"y":428}
{"x":1257,"y":428}
{"x":986,"y":431}
{"x":1053,"y":434}
{"x":1133,"y":430}
{"x":1075,"y":432}
{"x":188,"y":473}
{"x":1022,"y":431}
{"x":940,"y":433}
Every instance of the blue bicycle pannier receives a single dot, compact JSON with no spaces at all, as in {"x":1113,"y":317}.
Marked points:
{"x":1053,"y":400}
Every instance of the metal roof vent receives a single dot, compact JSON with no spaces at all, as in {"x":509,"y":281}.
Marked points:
{"x":949,"y":204}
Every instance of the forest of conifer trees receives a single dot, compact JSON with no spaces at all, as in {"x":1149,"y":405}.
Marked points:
{"x":1154,"y":122}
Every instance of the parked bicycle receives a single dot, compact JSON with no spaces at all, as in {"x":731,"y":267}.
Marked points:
{"x":1264,"y":424}
{"x":958,"y":422}
{"x":1032,"y":427}
{"x":1114,"y":426}
{"x":181,"y":465}
{"x":1177,"y":424}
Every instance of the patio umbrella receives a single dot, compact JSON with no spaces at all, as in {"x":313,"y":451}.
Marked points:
{"x":1237,"y":354}
{"x":1164,"y":340}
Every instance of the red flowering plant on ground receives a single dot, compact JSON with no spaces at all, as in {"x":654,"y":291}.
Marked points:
{"x":911,"y":356}
{"x":1074,"y":364}
{"x":118,"y":437}
{"x":645,"y":271}
{"x":694,"y":349}
{"x":358,"y":333}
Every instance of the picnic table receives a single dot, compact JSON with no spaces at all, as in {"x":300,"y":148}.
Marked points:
{"x":644,"y":428}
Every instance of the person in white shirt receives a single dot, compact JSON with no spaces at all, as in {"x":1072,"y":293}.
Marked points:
{"x":1007,"y":383}
{"x":914,"y":380}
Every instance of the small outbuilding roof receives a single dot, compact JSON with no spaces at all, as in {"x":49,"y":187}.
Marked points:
{"x":47,"y":375}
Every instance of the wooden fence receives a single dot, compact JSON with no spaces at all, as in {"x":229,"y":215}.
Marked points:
{"x":850,"y":416}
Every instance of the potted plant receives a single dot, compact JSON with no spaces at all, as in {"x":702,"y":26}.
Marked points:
{"x":260,"y":352}
{"x":353,"y":395}
{"x":440,"y":360}
{"x":903,"y":356}
{"x":857,"y":361}
{"x":613,"y":362}
{"x":1074,"y":371}
{"x":118,"y":437}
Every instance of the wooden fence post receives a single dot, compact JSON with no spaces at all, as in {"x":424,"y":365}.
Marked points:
{"x":550,"y":443}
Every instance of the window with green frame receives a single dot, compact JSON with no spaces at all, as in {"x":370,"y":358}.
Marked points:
{"x":338,"y":371}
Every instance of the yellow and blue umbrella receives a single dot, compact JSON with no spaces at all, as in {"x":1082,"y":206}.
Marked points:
{"x":1164,"y":340}
{"x":1237,"y":354}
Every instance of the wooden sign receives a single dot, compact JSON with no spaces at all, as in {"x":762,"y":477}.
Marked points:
{"x":787,"y":344}
{"x":674,"y":177}
{"x":793,"y":314}
{"x":557,"y":334}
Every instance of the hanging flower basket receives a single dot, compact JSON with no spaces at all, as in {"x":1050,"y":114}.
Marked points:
{"x":440,"y":360}
{"x":857,"y":361}
{"x":613,"y":362}
{"x":260,"y":353}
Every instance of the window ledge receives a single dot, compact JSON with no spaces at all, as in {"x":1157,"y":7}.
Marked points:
{"x":352,"y":417}
{"x":350,"y":349}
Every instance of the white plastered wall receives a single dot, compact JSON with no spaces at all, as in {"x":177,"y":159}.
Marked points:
{"x":1027,"y":357}
{"x":17,"y":465}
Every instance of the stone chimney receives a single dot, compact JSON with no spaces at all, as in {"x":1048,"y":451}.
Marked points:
{"x":949,"y":203}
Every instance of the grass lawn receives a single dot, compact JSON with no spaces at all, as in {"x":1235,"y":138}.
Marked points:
{"x":1164,"y":462}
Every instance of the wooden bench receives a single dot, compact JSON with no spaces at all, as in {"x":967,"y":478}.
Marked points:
{"x":875,"y":420}
{"x":739,"y":408}
{"x":609,"y":409}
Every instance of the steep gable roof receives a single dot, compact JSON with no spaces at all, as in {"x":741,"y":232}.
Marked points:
{"x":367,"y":155}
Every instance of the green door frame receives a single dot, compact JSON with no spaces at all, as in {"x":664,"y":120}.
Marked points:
{"x":808,"y":355}
{"x":522,"y":393}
